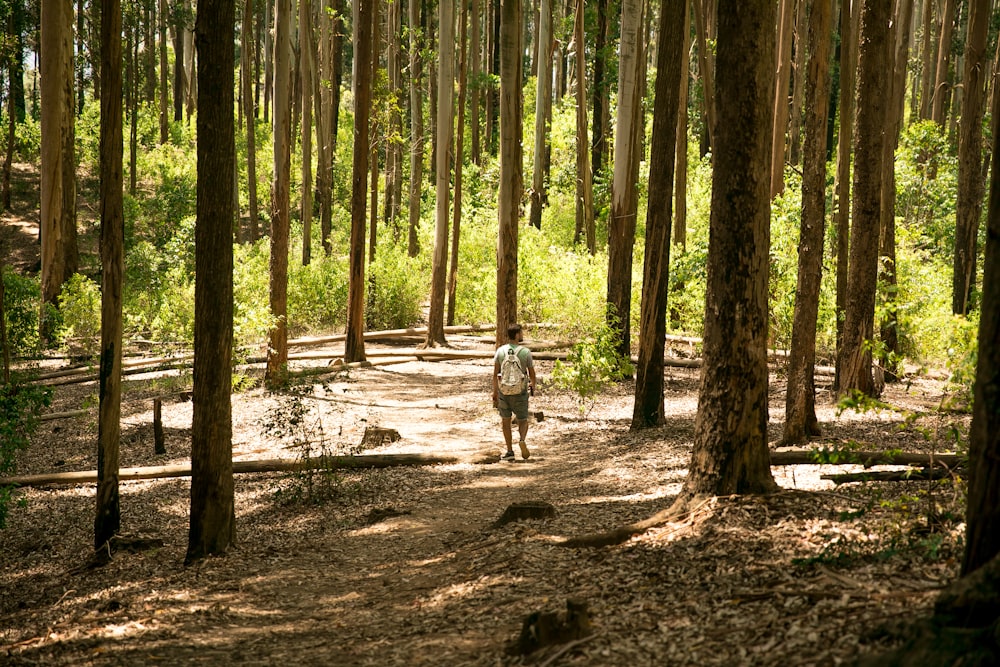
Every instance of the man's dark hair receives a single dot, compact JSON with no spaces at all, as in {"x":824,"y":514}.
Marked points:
{"x":513,"y":330}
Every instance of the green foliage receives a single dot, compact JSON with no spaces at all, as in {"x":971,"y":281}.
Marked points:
{"x":397,"y":285}
{"x":21,"y":297}
{"x":80,"y":310}
{"x":20,"y":406}
{"x":591,"y":365}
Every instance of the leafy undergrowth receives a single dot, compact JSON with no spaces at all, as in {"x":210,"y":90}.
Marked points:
{"x":404,"y":566}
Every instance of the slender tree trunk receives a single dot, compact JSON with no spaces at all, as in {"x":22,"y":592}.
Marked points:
{"x":599,"y":143}
{"x":648,"y":406}
{"x":475,"y":65}
{"x":251,"y":116}
{"x":800,"y":399}
{"x":336,"y":80}
{"x":277,"y":353}
{"x":108,"y":518}
{"x":446,"y":82}
{"x":707,"y":68}
{"x":307,"y":47}
{"x":543,"y":102}
{"x":364,"y":56}
{"x":681,"y":162}
{"x":511,"y":168}
{"x":784,"y":66}
{"x":394,"y":142}
{"x":624,"y":201}
{"x":798,"y":87}
{"x":268,"y":56}
{"x":180,"y":85}
{"x":9,"y":152}
{"x":888,"y":327}
{"x":60,"y":256}
{"x":132,"y":109}
{"x":164,"y":102}
{"x":730,"y":452}
{"x":456,"y":219}
{"x":854,"y":358}
{"x":416,"y":129}
{"x":970,"y":159}
{"x":982,"y":540}
{"x":849,"y":22}
{"x":322,"y":95}
{"x":941,"y":82}
{"x":213,"y":516}
{"x":926,"y":61}
{"x":584,"y":178}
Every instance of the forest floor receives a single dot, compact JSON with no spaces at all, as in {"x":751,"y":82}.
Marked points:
{"x":405,"y":566}
{"x":408,"y":565}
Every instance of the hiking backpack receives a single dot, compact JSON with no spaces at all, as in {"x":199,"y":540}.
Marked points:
{"x":512,"y":377}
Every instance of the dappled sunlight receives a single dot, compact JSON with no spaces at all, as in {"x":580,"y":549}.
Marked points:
{"x":640,"y":497}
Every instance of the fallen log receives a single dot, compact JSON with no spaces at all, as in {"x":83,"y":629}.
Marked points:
{"x":867,"y":459}
{"x":888,"y":476}
{"x":264,"y":465}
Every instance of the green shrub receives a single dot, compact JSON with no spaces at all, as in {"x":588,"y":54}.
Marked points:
{"x":397,"y":288}
{"x":21,"y":298}
{"x":591,"y":365}
{"x":80,"y":310}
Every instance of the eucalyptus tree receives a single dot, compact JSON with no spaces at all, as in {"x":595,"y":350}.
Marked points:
{"x":446,"y":79}
{"x":648,"y":406}
{"x":161,"y":24}
{"x":969,"y":204}
{"x":213,"y":514}
{"x":416,"y":126}
{"x":364,"y":72}
{"x":800,"y":398}
{"x":730,"y":453}
{"x":624,"y":196}
{"x":250,"y":113}
{"x":585,"y":226}
{"x":850,"y":21}
{"x":107,"y":520}
{"x":307,"y":47}
{"x":602,"y":92}
{"x":942,"y":84}
{"x":60,"y":253}
{"x":543,"y":104}
{"x":277,"y":349}
{"x":511,"y":168}
{"x":456,"y":217}
{"x":786,"y":27}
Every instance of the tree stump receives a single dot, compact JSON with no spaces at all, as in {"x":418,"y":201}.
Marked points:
{"x":159,"y":447}
{"x":376,"y":436}
{"x":548,"y":628}
{"x":529,"y":509}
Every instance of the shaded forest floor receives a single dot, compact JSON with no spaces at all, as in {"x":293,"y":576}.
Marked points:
{"x":404,"y":566}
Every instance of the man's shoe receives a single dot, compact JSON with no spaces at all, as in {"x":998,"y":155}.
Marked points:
{"x":524,"y":450}
{"x":508,"y":456}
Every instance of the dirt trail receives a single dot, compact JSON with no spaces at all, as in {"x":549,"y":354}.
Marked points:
{"x":403,"y":566}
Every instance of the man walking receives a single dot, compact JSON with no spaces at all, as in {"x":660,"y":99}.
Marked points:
{"x":513,"y":380}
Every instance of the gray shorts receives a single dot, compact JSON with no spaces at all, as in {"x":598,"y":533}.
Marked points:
{"x":516,"y":404}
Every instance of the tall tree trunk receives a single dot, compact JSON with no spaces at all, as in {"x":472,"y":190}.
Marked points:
{"x":850,"y":15}
{"x":416,"y":129}
{"x":162,"y":46}
{"x":970,"y":158}
{"x":896,"y":94}
{"x":108,"y":518}
{"x":624,"y":200}
{"x":8,"y":152}
{"x":601,"y":121}
{"x":798,"y":87}
{"x":681,"y":162}
{"x":213,"y":516}
{"x":982,"y":540}
{"x":322,"y":95}
{"x":784,"y":66}
{"x":800,"y":399}
{"x":475,"y":66}
{"x":268,"y":56}
{"x":584,"y":177}
{"x":149,"y":52}
{"x":277,"y":353}
{"x":730,"y":452}
{"x":180,"y":84}
{"x":60,"y":256}
{"x":394,"y":142}
{"x":926,"y":61}
{"x":307,"y":47}
{"x":446,"y":83}
{"x":336,"y":80}
{"x":854,"y":358}
{"x":543,"y":103}
{"x":132,"y":110}
{"x":648,"y":407}
{"x":706,"y":67}
{"x":941,"y":82}
{"x":251,"y":116}
{"x":511,"y":168}
{"x":364,"y":56}
{"x":456,"y":218}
